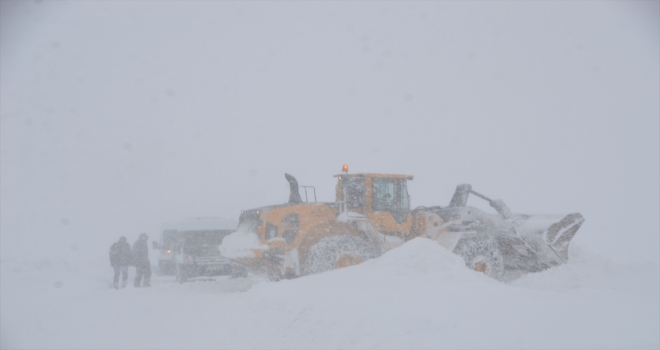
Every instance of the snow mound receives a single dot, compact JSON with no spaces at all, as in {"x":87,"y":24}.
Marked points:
{"x":420,"y":259}
{"x":422,"y":255}
{"x":419,"y":295}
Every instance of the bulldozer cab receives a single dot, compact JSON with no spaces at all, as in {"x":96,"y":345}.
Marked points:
{"x":382,"y":198}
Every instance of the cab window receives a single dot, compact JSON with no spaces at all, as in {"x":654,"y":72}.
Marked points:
{"x":353,"y":192}
{"x":390,"y":195}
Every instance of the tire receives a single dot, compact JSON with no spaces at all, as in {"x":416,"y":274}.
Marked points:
{"x":325,"y":254}
{"x":481,"y":254}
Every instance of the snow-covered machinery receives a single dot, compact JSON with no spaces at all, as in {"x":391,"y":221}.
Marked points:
{"x":372,"y":215}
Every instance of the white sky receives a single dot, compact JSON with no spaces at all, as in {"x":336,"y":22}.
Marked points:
{"x":118,"y":116}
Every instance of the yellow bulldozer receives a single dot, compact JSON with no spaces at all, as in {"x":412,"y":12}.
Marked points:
{"x":372,"y":215}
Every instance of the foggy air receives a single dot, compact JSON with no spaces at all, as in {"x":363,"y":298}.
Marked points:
{"x":292,"y":174}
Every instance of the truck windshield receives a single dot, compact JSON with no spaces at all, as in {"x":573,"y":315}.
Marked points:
{"x":203,"y":238}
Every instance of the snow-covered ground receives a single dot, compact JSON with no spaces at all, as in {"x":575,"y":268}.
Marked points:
{"x":416,"y":296}
{"x":117,"y":116}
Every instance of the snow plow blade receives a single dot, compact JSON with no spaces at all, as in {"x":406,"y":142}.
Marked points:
{"x":538,"y":242}
{"x":503,"y":245}
{"x":559,"y":234}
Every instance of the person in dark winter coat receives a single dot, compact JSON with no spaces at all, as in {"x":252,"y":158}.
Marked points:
{"x":120,"y":258}
{"x":141,"y":261}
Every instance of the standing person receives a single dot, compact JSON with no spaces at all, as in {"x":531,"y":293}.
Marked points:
{"x":120,"y":257}
{"x":141,"y":261}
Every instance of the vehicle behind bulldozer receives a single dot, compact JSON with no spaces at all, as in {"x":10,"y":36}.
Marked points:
{"x":190,"y":248}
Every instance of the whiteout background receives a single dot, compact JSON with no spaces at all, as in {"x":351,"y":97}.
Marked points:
{"x":118,"y":116}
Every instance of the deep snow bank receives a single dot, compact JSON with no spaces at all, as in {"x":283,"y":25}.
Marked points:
{"x":416,"y":296}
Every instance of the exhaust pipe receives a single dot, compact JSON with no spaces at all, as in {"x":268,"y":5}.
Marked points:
{"x":294,"y":197}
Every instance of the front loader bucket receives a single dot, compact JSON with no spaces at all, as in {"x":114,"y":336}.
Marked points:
{"x":559,"y":234}
{"x":548,"y":236}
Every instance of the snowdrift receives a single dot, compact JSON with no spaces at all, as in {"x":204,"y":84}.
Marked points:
{"x":419,"y":295}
